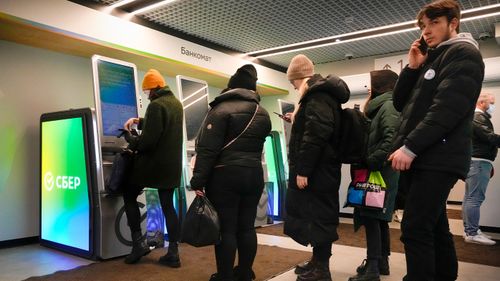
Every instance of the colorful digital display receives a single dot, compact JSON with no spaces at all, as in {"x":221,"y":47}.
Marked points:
{"x":65,"y":213}
{"x":118,"y":97}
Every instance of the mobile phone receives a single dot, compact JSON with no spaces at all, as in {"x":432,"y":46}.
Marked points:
{"x":423,"y":46}
{"x":282,"y":116}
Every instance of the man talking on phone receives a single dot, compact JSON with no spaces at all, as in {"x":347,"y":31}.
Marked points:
{"x":436,"y":93}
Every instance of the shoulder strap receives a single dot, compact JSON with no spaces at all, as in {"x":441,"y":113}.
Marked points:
{"x":244,"y":130}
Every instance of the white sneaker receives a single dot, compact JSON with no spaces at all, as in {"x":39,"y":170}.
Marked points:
{"x":479,"y":239}
{"x":479,"y":232}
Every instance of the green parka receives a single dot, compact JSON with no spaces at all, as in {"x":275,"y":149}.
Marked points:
{"x":158,"y":162}
{"x":385,"y":121}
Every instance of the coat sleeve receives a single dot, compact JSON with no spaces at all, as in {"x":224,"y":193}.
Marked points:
{"x":388,"y":125}
{"x":152,"y":130}
{"x":141,"y":123}
{"x":455,"y":94}
{"x":208,"y":147}
{"x":404,"y":86}
{"x":483,"y":132}
{"x":319,"y":127}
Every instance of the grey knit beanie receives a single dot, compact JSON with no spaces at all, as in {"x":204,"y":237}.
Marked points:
{"x":300,"y":67}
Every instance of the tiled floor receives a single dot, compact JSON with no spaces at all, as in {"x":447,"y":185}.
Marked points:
{"x":22,"y":262}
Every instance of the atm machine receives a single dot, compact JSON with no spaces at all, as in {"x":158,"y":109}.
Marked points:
{"x":77,"y":150}
{"x":276,"y":155}
{"x":193,"y":94}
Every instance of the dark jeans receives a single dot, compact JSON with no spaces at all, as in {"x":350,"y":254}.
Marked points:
{"x":378,"y":242}
{"x":429,"y":248}
{"x":167,"y":205}
{"x":235,"y":193}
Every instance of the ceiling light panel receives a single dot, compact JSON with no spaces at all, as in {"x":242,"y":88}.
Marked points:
{"x":377,"y":46}
{"x":254,"y":25}
{"x":247,"y":26}
{"x":108,"y":2}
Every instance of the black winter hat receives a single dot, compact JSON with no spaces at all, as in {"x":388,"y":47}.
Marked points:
{"x":245,"y":77}
{"x":382,"y":81}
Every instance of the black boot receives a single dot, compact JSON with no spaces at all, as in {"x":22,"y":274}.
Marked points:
{"x":320,"y":271}
{"x":304,"y":267}
{"x":171,"y":259}
{"x":139,"y":248}
{"x":383,"y":266}
{"x":369,"y":273}
{"x":239,"y":275}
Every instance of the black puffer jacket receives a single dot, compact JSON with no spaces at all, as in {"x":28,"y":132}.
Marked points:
{"x":230,"y":114}
{"x":312,"y":213}
{"x":437,"y":103}
{"x":485,"y":142}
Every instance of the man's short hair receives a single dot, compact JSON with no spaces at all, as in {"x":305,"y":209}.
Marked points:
{"x":483,"y":97}
{"x":439,"y":8}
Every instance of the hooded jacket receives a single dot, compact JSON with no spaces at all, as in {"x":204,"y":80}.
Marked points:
{"x":437,"y":103}
{"x":229,"y":115}
{"x":383,"y":126}
{"x":312,"y":213}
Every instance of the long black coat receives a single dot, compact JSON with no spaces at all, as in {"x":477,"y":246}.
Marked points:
{"x":158,"y":163}
{"x":437,"y":103}
{"x":312,"y":214}
{"x":230,"y":114}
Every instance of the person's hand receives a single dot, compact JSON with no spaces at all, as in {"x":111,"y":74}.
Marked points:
{"x":301,"y":182}
{"x":199,"y":192}
{"x":415,"y":56}
{"x":128,"y":125}
{"x":288,"y":117}
{"x":400,"y":160}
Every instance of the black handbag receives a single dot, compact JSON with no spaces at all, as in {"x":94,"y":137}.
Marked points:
{"x":122,"y":166}
{"x":201,"y":225}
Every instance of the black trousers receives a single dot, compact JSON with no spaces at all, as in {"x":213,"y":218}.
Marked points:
{"x":378,"y":241}
{"x":429,"y":248}
{"x":235,"y":193}
{"x":167,"y":205}
{"x":322,"y":252}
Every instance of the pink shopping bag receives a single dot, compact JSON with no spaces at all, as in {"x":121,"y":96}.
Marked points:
{"x":375,"y":199}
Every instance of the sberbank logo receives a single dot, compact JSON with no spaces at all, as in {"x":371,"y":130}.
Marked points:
{"x":60,"y":182}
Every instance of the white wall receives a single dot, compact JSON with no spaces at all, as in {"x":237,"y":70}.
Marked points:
{"x":32,"y":81}
{"x":88,"y":24}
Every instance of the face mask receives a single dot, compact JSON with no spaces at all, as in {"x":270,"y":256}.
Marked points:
{"x":491,"y":109}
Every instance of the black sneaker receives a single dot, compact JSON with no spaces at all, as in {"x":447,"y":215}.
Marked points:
{"x":304,"y":267}
{"x":383,"y":267}
{"x":170,"y":260}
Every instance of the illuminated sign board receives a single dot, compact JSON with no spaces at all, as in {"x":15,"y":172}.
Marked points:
{"x":65,"y":206}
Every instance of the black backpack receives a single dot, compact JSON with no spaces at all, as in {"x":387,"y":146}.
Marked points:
{"x":353,"y":136}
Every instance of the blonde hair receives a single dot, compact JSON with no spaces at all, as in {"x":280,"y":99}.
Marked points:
{"x":302,"y":90}
{"x":484,"y":97}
